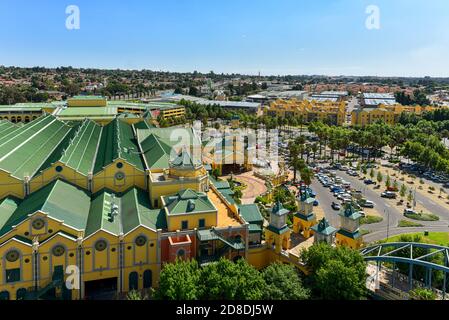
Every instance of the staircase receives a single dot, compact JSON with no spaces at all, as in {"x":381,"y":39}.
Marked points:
{"x":57,"y":282}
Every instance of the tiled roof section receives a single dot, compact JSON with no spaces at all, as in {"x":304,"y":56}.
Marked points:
{"x":188,"y":201}
{"x":117,"y":141}
{"x":100,"y":214}
{"x":53,"y":200}
{"x":136,"y":210}
{"x":23,"y":152}
{"x":80,"y":154}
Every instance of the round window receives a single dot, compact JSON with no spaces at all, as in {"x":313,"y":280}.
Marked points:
{"x":119,"y":165}
{"x":141,"y":240}
{"x":38,"y":224}
{"x":100,"y":245}
{"x":58,"y":251}
{"x":58,"y":168}
{"x":181,"y":253}
{"x":119,"y":176}
{"x":12,"y":255}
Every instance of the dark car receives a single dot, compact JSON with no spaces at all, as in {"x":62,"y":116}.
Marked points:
{"x":336,"y":206}
{"x":368,"y":181}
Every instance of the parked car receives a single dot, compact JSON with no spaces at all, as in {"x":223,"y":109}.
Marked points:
{"x":336,"y":206}
{"x":388,"y":195}
{"x":316,"y":203}
{"x":367,"y":204}
{"x":409,"y":211}
{"x":368,"y":181}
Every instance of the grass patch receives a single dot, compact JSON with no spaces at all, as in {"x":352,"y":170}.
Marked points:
{"x":422,"y":216}
{"x":408,"y":224}
{"x":438,"y":238}
{"x":370,"y":219}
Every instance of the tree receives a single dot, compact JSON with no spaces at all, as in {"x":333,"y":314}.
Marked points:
{"x":410,"y":196}
{"x":231,"y":281}
{"x":338,"y":281}
{"x":283,"y":283}
{"x":179,"y":281}
{"x":335,"y":273}
{"x":388,"y":182}
{"x":216,"y":173}
{"x":371,"y":173}
{"x":193,"y":91}
{"x":403,"y":191}
{"x":379,"y":177}
{"x":307,"y":175}
{"x":136,"y":295}
{"x":422,"y":294}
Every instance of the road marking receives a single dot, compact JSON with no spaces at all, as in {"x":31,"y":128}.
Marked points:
{"x":387,"y":205}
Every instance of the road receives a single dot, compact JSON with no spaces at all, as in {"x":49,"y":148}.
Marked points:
{"x":379,"y":230}
{"x":391,"y":214}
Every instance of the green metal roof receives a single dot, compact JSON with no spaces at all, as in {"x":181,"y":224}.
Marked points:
{"x":117,"y":142}
{"x":278,"y":209}
{"x":100,"y":214}
{"x":352,"y":235}
{"x":23,"y":152}
{"x":135,"y":211}
{"x":278,"y":231}
{"x":87,"y":97}
{"x":254,"y":228}
{"x":7,"y":208}
{"x":350,"y":212}
{"x":188,"y":201}
{"x":219,"y":184}
{"x":157,"y":143}
{"x":251,"y":213}
{"x":156,"y":151}
{"x":308,"y":217}
{"x":80,"y":154}
{"x":19,"y":108}
{"x":53,"y":199}
{"x":83,"y":211}
{"x":85,"y":112}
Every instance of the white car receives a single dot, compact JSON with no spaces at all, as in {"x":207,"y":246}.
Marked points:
{"x":368,"y":204}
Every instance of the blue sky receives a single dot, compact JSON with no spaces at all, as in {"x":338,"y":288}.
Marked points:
{"x":242,"y":36}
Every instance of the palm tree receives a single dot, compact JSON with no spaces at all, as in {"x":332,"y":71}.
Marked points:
{"x":307,"y":176}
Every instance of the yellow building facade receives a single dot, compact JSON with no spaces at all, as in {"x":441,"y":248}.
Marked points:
{"x":387,"y":113}
{"x":325,"y":111}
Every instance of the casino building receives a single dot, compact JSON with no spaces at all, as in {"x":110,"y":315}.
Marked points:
{"x":103,"y":204}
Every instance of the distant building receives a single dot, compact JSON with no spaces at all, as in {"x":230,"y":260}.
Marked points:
{"x":332,"y":96}
{"x":328,"y":112}
{"x":376,"y":99}
{"x":387,"y":113}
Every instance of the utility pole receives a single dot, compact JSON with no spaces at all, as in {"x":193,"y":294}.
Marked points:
{"x":388,"y":222}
